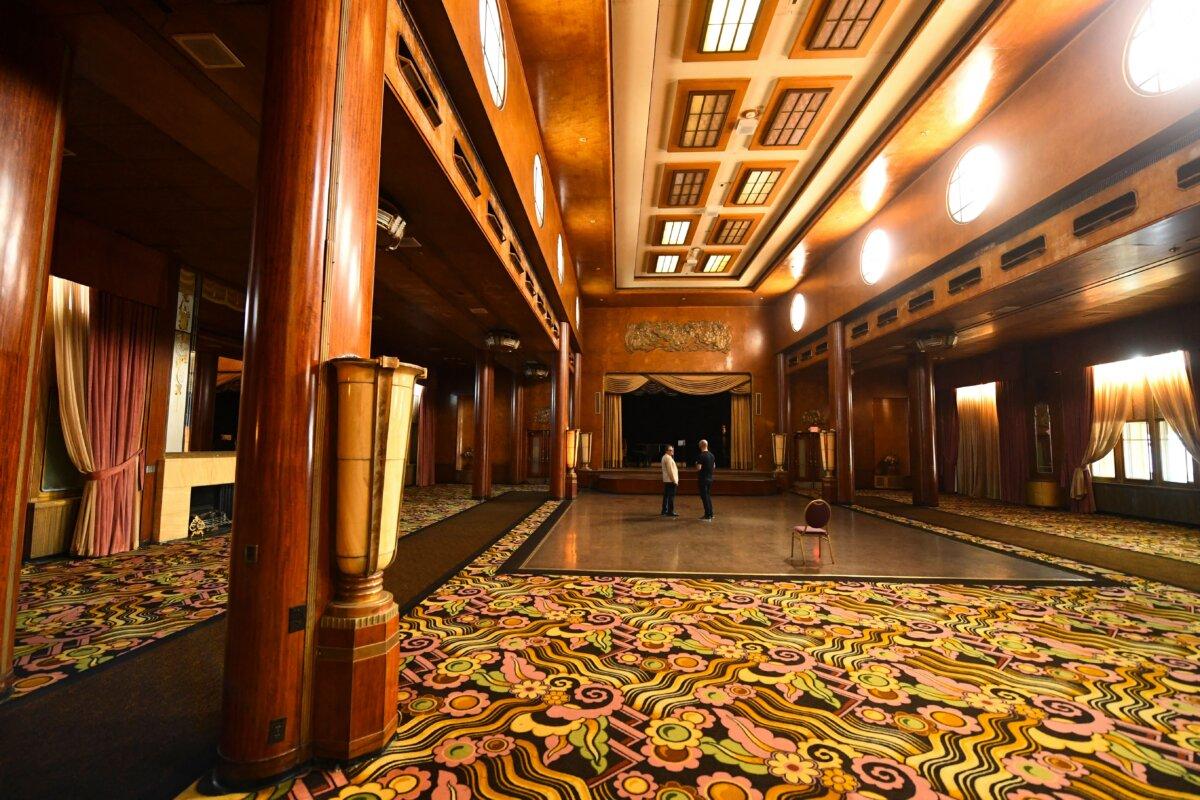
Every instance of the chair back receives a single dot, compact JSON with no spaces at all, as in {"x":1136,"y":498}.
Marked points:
{"x":817,"y":514}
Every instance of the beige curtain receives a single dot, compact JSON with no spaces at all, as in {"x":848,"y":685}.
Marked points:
{"x":741,"y":444}
{"x":700,"y":384}
{"x":978,"y":470}
{"x":1112,"y":402}
{"x":70,"y":313}
{"x":614,"y":434}
{"x":624,"y":384}
{"x":1171,"y":386}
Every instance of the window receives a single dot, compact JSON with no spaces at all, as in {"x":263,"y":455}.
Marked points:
{"x":1161,"y":55}
{"x":1105,"y":467}
{"x":876,"y":255}
{"x":685,"y":186}
{"x":844,"y":24}
{"x":561,"y":269}
{"x":1136,"y":446}
{"x":728,"y":26}
{"x":704,"y":118}
{"x":793,"y":115}
{"x":675,"y":231}
{"x":797,"y":312}
{"x":757,"y":186}
{"x":539,"y":190}
{"x":495,"y":60}
{"x":716,"y":262}
{"x":664,"y":264}
{"x":732,"y":231}
{"x":1177,"y":463}
{"x":973,"y":184}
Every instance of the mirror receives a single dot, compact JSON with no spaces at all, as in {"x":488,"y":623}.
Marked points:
{"x":1043,"y":454}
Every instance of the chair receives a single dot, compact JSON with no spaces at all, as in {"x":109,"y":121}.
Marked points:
{"x":816,"y":521}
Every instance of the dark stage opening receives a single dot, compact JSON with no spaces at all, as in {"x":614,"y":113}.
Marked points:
{"x":652,"y":420}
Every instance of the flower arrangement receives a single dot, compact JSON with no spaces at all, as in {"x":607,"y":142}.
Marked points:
{"x":812,"y":420}
{"x":889,"y":465}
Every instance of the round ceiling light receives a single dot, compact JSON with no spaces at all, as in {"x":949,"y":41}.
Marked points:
{"x":973,"y":183}
{"x":539,"y":190}
{"x":1161,"y":54}
{"x":874,"y":181}
{"x":797,"y":312}
{"x":561,"y":263}
{"x":495,"y":59}
{"x":876,"y":255}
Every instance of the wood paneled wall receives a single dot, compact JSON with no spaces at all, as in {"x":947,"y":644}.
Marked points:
{"x":880,"y":419}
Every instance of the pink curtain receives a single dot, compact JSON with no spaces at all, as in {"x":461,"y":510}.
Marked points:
{"x":1016,"y":431}
{"x":120,"y":340}
{"x":947,"y":439}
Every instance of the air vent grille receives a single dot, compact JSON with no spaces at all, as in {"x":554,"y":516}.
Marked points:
{"x":417,"y":82}
{"x":860,"y":329}
{"x":466,"y":170}
{"x":821,"y":348}
{"x":1022,"y":253}
{"x":207,"y":50}
{"x":965,"y":279}
{"x":493,"y":217}
{"x":806,"y":355}
{"x":921,"y":301}
{"x":793,"y":361}
{"x":1106,"y":214}
{"x":1188,"y":175}
{"x":886,"y":318}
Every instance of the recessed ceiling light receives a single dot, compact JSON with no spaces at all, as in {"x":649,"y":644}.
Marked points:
{"x":676,"y":232}
{"x":666,"y":263}
{"x":728,"y":27}
{"x":874,"y":182}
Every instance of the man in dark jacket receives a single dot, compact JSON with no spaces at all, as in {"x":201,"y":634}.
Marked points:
{"x":708,"y":465}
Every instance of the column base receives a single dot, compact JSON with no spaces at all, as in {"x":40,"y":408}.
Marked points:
{"x":572,"y":486}
{"x":6,"y":686}
{"x":357,"y":677}
{"x":241,"y":776}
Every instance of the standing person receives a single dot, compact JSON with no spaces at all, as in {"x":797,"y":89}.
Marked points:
{"x":670,"y":482}
{"x":708,"y":464}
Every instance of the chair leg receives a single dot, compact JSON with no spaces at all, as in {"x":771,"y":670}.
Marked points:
{"x":793,"y":555}
{"x":829,"y":542}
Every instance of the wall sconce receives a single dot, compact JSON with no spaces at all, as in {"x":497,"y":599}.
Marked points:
{"x":829,"y":451}
{"x":585,"y":450}
{"x":779,"y":450}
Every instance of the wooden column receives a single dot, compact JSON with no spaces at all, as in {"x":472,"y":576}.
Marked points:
{"x":520,"y":439}
{"x":309,"y":298}
{"x":922,"y":426}
{"x":33,"y":68}
{"x":841,"y":406}
{"x":560,"y":388}
{"x":783,"y":407}
{"x":481,"y":466}
{"x":427,"y":434}
{"x":204,"y":398}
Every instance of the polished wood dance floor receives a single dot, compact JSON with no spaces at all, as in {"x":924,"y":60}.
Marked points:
{"x":624,"y":535}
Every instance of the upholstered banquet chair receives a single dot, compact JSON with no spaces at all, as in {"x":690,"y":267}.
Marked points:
{"x":816,"y":523}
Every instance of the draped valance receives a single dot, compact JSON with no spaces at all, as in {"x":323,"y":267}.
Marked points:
{"x":617,"y":383}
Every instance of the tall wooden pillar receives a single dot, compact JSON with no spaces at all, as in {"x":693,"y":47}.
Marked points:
{"x":427,"y":433}
{"x":560,"y":388}
{"x":481,"y":466}
{"x":783,"y":407}
{"x":922,"y":426}
{"x":841,"y":405}
{"x":33,"y":68}
{"x":309,"y":296}
{"x":520,"y":440}
{"x":204,"y":399}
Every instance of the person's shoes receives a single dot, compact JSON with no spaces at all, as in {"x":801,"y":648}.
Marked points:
{"x":706,"y":519}
{"x":672,"y":514}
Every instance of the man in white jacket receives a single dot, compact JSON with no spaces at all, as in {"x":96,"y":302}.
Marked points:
{"x":670,"y":482}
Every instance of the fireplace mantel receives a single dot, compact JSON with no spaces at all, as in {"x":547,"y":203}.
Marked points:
{"x":177,"y":474}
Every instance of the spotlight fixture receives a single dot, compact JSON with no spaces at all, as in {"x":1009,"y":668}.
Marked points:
{"x":501,"y":341}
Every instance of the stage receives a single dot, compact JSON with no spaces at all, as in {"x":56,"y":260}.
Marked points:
{"x":649,"y":481}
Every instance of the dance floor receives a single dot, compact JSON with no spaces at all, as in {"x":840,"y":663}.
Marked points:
{"x":624,"y":535}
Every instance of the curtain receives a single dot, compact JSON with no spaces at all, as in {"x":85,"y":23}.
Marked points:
{"x":624,"y":384}
{"x":614,"y":441}
{"x":978,"y":468}
{"x":947,"y":439}
{"x":70,"y":315}
{"x":1171,"y":386}
{"x":741,"y":444}
{"x":427,"y":437}
{"x":701,"y":384}
{"x":1112,"y":401}
{"x":1016,"y":430}
{"x":1076,"y":394}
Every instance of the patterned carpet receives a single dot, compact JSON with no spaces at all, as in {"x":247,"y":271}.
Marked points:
{"x":1154,"y":538}
{"x":681,"y":689}
{"x":73,"y":615}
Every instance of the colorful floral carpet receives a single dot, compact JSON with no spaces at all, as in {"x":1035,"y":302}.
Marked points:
{"x":1154,"y":538}
{"x":680,"y":689}
{"x":77,"y":614}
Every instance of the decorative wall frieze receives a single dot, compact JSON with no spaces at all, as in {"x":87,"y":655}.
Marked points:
{"x":678,"y":337}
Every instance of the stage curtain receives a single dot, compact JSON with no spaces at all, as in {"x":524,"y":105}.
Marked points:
{"x":978,"y":469}
{"x":1112,"y":401}
{"x":1016,"y":431}
{"x":614,"y":434}
{"x":741,"y":444}
{"x":701,"y":384}
{"x":1171,"y":384}
{"x":624,"y":384}
{"x":947,"y":439}
{"x":70,"y":315}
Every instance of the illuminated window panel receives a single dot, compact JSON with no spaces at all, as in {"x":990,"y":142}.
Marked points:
{"x":704,"y":118}
{"x":686,"y":186}
{"x":1139,"y":463}
{"x":495,"y":60}
{"x":844,"y":24}
{"x":728,"y":26}
{"x":675,"y":232}
{"x":716,"y":262}
{"x":1177,"y":464}
{"x":1161,"y":55}
{"x":973,"y":184}
{"x":1105,"y":467}
{"x":795,"y":113}
{"x":539,"y":190}
{"x":666,"y":263}
{"x":757,"y":186}
{"x":732,"y":231}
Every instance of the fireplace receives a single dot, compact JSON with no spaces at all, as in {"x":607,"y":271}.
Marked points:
{"x":211,"y":510}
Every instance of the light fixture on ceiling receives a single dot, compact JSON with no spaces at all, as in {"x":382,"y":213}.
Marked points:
{"x":693,"y":258}
{"x":666,"y":263}
{"x":796,"y":261}
{"x":676,"y":232}
{"x":1161,"y":54}
{"x":972,"y":84}
{"x":797,"y":312}
{"x":729,"y":26}
{"x":539,"y":190}
{"x":874,"y":182}
{"x":748,"y":122}
{"x":936,"y":341}
{"x":207,"y":50}
{"x":502,"y":341}
{"x":875,"y":257}
{"x":973,"y":183}
{"x":535,"y":371}
{"x":716,"y":262}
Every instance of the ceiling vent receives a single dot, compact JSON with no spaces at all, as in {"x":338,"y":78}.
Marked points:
{"x":861,"y":329}
{"x":886,"y":318}
{"x":1022,"y":253}
{"x":1188,"y":175}
{"x":921,"y":301}
{"x":964,"y":279}
{"x":207,"y":50}
{"x":1108,"y":213}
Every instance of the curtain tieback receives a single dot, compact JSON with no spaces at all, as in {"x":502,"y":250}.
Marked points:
{"x":1079,"y":483}
{"x":108,"y":472}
